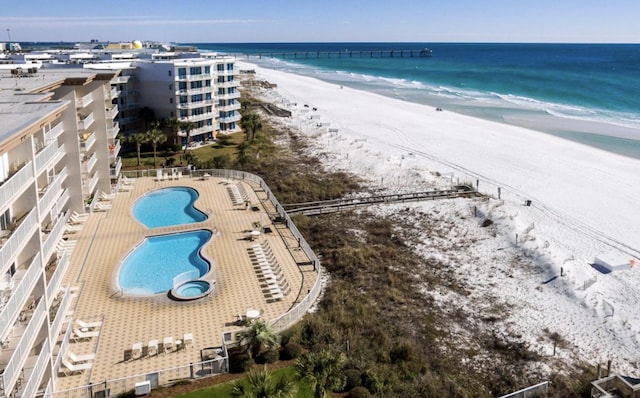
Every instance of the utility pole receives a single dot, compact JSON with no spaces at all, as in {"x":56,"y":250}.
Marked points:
{"x":9,"y":34}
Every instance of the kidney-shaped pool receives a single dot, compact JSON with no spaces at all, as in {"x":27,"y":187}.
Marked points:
{"x":152,"y":266}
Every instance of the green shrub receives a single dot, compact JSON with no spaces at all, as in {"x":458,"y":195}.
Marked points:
{"x":403,"y":352}
{"x":240,"y":363}
{"x":353,"y":379}
{"x":359,"y":392}
{"x":291,"y":350}
{"x":271,"y":356}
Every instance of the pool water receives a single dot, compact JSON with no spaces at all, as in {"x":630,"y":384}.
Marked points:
{"x":151,"y":267}
{"x":168,"y":206}
{"x":191,"y":290}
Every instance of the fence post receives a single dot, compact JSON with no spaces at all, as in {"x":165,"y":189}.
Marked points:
{"x":191,"y":369}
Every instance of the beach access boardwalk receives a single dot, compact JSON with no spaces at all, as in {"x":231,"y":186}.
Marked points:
{"x":411,"y":53}
{"x":336,"y":205}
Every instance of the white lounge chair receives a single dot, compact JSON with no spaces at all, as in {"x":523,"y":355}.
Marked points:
{"x":167,"y":344}
{"x":152,"y":348}
{"x":88,"y":325}
{"x":73,"y":228}
{"x":75,"y":368}
{"x":101,"y":207}
{"x":136,"y":350}
{"x":126,"y":180}
{"x":80,"y":335}
{"x":187,"y":340}
{"x":80,"y":358}
{"x":107,"y":196}
{"x":77,"y":215}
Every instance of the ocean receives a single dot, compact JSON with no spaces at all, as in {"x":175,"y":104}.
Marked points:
{"x":589,"y":93}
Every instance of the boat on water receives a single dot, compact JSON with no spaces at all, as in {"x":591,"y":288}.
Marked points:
{"x":426,"y":52}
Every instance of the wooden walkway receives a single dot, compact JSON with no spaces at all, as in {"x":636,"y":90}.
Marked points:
{"x":332,"y":206}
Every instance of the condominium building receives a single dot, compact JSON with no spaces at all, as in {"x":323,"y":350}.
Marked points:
{"x":198,"y":88}
{"x":58,"y":150}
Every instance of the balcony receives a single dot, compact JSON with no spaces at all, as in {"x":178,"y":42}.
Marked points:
{"x":228,"y":108}
{"x":120,"y":80}
{"x":92,"y":184}
{"x":130,"y":105}
{"x":195,"y":90}
{"x":14,"y":185}
{"x":227,"y":72}
{"x":228,"y":96}
{"x":50,"y":193}
{"x":113,"y":112}
{"x":112,"y":132}
{"x":55,"y":132}
{"x":18,"y":238}
{"x":197,"y":118}
{"x":58,"y":311}
{"x":45,"y":156}
{"x":86,"y":166}
{"x":188,"y":78}
{"x":86,"y":122}
{"x":87,"y":141}
{"x":23,"y":282}
{"x":84,"y":101}
{"x":114,"y":93}
{"x":114,"y":171}
{"x":230,"y":119}
{"x":114,"y":149}
{"x":53,"y":237}
{"x":62,"y":201}
{"x":12,"y":369}
{"x":34,"y":375}
{"x":53,"y":285}
{"x":228,"y":84}
{"x":198,"y":104}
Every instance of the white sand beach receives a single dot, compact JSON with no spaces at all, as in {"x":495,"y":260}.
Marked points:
{"x":584,"y":203}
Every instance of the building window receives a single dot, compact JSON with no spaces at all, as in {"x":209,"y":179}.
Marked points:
{"x":207,"y":70}
{"x":170,"y":87}
{"x":171,"y":100}
{"x":184,"y":113}
{"x":229,"y":66}
{"x":184,"y":99}
{"x":169,"y":72}
{"x":195,"y":70}
{"x":220,"y":67}
{"x":172,"y":114}
{"x":182,"y":72}
{"x":207,"y":83}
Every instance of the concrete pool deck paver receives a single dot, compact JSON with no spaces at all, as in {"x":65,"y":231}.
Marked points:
{"x":106,"y":239}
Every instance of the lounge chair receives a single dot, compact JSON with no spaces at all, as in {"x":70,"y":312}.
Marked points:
{"x":73,"y":228}
{"x":107,"y":196}
{"x":136,"y":350}
{"x":75,"y":368}
{"x":80,"y":358}
{"x":80,"y":335}
{"x":187,"y":340}
{"x":167,"y":344}
{"x":77,"y":215}
{"x":88,"y":325}
{"x":76,"y":220}
{"x":127,"y":181}
{"x":102,"y":207}
{"x":152,"y":348}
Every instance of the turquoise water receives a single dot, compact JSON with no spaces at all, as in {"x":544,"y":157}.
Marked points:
{"x":168,"y":206}
{"x":151,"y":267}
{"x":589,"y":93}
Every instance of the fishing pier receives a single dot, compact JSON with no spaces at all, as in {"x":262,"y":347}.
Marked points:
{"x":423,"y":53}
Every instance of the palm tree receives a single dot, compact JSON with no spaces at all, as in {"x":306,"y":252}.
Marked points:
{"x":171,"y":127}
{"x":137,"y":139}
{"x":252,"y":124}
{"x":323,"y":371}
{"x":263,"y":385}
{"x":188,"y":127}
{"x":147,"y":115}
{"x":155,"y":137}
{"x":258,"y":335}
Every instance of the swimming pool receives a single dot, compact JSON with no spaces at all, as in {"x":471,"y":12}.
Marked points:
{"x":151,"y":267}
{"x":168,"y":206}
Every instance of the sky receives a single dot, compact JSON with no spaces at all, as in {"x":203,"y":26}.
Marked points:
{"x":201,"y":21}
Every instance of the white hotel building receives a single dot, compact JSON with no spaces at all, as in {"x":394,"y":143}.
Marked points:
{"x":58,"y":151}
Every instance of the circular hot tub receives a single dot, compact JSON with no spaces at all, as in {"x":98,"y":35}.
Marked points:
{"x":191,"y":290}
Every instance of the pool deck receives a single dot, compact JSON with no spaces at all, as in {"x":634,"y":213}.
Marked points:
{"x":107,"y":237}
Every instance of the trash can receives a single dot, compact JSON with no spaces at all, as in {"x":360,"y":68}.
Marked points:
{"x":527,"y":203}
